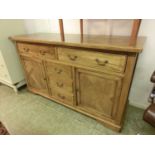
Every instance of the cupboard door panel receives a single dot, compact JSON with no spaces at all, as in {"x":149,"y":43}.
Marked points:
{"x":98,"y":93}
{"x":35,"y":75}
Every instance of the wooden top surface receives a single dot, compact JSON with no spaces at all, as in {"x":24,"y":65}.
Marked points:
{"x":115,"y":43}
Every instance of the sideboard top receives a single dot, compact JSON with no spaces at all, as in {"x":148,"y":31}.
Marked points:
{"x":115,"y":43}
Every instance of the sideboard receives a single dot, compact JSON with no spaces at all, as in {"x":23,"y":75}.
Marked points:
{"x":92,"y":75}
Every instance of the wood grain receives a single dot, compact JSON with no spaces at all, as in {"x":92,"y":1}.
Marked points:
{"x":98,"y":93}
{"x":60,"y":81}
{"x":113,"y":43}
{"x":81,"y":29}
{"x":35,"y":75}
{"x":43,"y":51}
{"x":135,"y":30}
{"x":94,"y":59}
{"x":61,"y":30}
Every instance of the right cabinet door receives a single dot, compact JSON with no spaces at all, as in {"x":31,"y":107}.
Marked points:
{"x":98,"y":93}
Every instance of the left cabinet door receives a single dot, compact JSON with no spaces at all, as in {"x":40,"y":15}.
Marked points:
{"x":35,"y":75}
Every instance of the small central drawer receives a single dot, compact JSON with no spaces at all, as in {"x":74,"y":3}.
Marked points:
{"x":43,"y":51}
{"x":60,"y":81}
{"x":94,"y":59}
{"x":59,"y":76}
{"x":63,"y":96}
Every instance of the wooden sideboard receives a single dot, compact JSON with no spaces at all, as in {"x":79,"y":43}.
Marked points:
{"x":92,"y":75}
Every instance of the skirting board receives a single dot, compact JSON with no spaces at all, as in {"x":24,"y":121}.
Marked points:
{"x":141,"y":106}
{"x":14,"y":86}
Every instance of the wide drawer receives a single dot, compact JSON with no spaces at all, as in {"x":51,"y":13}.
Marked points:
{"x":96,"y":60}
{"x":43,"y":51}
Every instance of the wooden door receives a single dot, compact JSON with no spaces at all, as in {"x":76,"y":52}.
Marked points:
{"x":35,"y":75}
{"x":98,"y":93}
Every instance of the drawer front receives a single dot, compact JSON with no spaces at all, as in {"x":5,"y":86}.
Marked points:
{"x":60,"y":82}
{"x":42,"y":51}
{"x":59,"y":77}
{"x":63,"y":97}
{"x":95,"y":60}
{"x":59,"y":71}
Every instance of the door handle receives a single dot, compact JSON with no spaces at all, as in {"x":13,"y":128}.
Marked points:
{"x":102,"y":63}
{"x":72,"y":57}
{"x":60,"y":84}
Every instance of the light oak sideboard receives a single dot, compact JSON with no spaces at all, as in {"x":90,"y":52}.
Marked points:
{"x":92,"y":75}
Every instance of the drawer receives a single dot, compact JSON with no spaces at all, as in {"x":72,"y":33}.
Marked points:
{"x":42,"y":51}
{"x":59,"y":77}
{"x":58,"y":71}
{"x":63,"y":96}
{"x":61,"y":84}
{"x":92,"y":59}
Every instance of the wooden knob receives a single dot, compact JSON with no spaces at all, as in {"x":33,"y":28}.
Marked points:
{"x":27,"y":50}
{"x":72,"y":57}
{"x":42,"y":52}
{"x":60,"y":84}
{"x":61,"y":96}
{"x":58,"y":70}
{"x":102,"y":63}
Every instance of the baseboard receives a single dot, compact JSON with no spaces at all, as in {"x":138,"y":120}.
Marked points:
{"x":141,"y":106}
{"x":14,"y":86}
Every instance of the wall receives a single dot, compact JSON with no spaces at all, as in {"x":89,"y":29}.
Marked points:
{"x":9,"y":28}
{"x":105,"y":27}
{"x":141,"y":85}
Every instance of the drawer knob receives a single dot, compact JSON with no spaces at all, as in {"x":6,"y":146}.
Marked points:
{"x":102,"y":63}
{"x":60,"y":84}
{"x":61,"y":96}
{"x":42,"y":52}
{"x":58,"y":70}
{"x":26,"y":49}
{"x":72,"y":57}
{"x":45,"y":79}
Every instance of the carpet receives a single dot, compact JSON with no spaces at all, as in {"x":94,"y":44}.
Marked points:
{"x":3,"y":130}
{"x":29,"y":114}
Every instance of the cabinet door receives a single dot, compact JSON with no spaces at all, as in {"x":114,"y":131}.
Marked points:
{"x":35,"y":75}
{"x":98,"y":93}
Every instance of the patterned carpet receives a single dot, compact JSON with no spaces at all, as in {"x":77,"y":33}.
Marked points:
{"x":3,"y":130}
